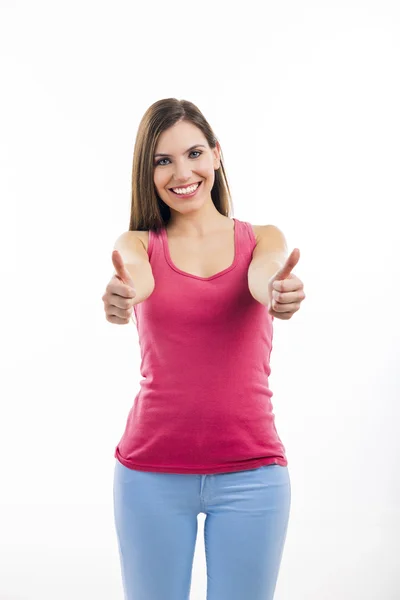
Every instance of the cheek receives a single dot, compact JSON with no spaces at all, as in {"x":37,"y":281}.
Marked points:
{"x":160,"y":181}
{"x":207,"y":166}
{"x":206,"y":170}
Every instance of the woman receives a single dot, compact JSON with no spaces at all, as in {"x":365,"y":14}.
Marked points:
{"x":200,"y":436}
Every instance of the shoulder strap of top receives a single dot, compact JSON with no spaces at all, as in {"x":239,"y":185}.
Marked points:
{"x":246,"y":238}
{"x":154,"y":242}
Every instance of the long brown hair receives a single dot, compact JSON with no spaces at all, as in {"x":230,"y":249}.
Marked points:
{"x":148,"y":211}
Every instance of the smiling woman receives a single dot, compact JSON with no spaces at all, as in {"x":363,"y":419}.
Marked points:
{"x":189,"y":166}
{"x":175,"y":147}
{"x":203,"y":418}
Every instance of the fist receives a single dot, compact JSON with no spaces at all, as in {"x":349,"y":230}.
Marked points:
{"x":120,"y":293}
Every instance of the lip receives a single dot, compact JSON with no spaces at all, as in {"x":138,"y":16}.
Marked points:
{"x":185,"y":196}
{"x":183,"y":187}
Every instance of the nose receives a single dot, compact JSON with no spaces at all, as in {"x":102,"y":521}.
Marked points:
{"x":183,"y":172}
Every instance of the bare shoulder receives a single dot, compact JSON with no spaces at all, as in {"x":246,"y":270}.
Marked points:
{"x":257,"y":230}
{"x":143,"y":236}
{"x":261,"y":232}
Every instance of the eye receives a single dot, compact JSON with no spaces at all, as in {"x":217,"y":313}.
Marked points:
{"x":193,"y":151}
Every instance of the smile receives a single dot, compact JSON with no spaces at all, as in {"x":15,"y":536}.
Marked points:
{"x":183,"y":194}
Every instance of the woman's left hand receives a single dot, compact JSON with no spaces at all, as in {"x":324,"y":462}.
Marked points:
{"x":285,"y":289}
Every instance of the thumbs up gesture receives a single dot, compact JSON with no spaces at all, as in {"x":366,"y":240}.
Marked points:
{"x":120,"y":293}
{"x":285,"y":289}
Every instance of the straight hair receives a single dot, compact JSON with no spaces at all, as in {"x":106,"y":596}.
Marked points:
{"x":148,"y":211}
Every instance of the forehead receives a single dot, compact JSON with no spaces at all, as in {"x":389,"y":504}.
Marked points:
{"x":179,"y":137}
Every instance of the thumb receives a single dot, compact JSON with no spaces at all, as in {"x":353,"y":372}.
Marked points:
{"x":121,"y":271}
{"x":290,"y":263}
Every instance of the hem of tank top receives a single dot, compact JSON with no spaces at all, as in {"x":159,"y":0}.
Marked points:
{"x":200,"y":470}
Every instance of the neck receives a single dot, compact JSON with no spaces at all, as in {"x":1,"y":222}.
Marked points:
{"x":198,"y":223}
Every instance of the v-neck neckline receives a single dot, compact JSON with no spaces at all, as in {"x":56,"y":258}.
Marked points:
{"x":175,"y":268}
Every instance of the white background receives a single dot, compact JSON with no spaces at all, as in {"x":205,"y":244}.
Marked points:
{"x":304,"y":98}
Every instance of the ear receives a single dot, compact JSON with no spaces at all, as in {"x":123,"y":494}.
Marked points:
{"x":217,"y":156}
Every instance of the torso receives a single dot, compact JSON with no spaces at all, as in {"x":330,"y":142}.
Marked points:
{"x":201,"y":257}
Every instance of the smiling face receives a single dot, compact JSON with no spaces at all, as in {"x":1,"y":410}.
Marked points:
{"x":187,"y":159}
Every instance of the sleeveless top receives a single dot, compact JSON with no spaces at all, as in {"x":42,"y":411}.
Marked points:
{"x":204,"y":404}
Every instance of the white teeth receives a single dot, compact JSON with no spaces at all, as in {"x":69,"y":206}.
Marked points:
{"x":188,"y":190}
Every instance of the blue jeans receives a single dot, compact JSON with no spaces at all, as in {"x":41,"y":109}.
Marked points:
{"x":247,"y":514}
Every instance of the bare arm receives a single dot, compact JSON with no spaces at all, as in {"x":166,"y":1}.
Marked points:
{"x":269,"y":256}
{"x":136,"y":261}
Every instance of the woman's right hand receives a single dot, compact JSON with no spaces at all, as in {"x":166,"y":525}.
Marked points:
{"x":120,"y":293}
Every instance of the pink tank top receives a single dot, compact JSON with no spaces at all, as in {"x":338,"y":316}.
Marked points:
{"x":204,"y":404}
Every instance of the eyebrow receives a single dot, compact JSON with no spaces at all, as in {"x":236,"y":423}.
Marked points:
{"x":188,"y":150}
